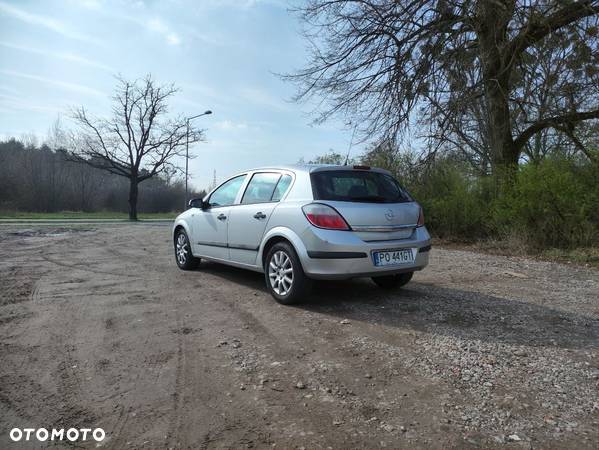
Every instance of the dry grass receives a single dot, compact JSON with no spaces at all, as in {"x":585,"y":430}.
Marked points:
{"x":514,"y":245}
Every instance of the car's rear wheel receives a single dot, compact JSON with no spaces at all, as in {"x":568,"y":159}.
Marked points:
{"x":285,"y":277}
{"x":183,"y":256}
{"x":393,"y":281}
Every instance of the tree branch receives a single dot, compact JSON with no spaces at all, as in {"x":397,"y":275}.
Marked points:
{"x":555,"y":122}
{"x":534,"y":31}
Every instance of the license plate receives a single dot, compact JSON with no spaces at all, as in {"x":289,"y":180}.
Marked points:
{"x":394,"y":257}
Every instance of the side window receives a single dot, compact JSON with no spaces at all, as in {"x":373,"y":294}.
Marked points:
{"x":281,"y":188}
{"x":260,"y":188}
{"x":226,"y":193}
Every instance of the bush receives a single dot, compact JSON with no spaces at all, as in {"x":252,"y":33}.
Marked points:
{"x":455,"y":202}
{"x":551,"y":204}
{"x":554,"y":203}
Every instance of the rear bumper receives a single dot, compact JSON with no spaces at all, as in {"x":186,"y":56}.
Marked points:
{"x":331,"y":254}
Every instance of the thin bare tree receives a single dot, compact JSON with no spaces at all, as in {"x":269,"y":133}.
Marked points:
{"x":139,"y":141}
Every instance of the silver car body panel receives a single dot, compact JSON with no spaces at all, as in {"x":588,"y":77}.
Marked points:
{"x":241,"y":239}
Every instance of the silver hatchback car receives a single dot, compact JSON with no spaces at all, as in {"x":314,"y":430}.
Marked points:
{"x":305,"y":222}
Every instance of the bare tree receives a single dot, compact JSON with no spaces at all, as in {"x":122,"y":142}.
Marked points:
{"x":139,"y":140}
{"x":57,"y":137}
{"x":331,"y":157}
{"x":460,"y":66}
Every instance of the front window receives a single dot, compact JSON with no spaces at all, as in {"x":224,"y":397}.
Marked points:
{"x":357,"y":186}
{"x":225,"y":195}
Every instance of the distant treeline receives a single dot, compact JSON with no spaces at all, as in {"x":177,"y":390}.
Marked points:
{"x":40,"y":179}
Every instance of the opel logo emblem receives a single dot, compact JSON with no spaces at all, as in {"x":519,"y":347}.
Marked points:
{"x":389,"y":215}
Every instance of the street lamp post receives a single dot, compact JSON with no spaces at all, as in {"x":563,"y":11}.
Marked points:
{"x":205,"y":113}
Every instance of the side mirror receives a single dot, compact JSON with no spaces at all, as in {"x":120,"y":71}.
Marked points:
{"x":198,"y":203}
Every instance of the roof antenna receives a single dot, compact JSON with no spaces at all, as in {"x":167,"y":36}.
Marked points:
{"x":351,"y":142}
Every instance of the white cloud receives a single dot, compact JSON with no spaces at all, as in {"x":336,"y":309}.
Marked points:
{"x":9,"y":103}
{"x":246,"y":4}
{"x":264,"y":98}
{"x":74,"y":87}
{"x":180,"y":100}
{"x":227,"y":125}
{"x":96,"y":5}
{"x":8,"y":89}
{"x":211,"y":38}
{"x":45,"y":22}
{"x":201,"y":89}
{"x":173,"y":39}
{"x":91,"y":4}
{"x":81,"y":60}
{"x":60,"y":55}
{"x":158,"y":26}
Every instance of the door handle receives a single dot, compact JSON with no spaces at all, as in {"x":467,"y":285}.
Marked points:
{"x":221,"y":216}
{"x":260,"y":215}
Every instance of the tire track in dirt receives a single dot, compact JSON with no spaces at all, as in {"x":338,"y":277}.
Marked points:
{"x":263,"y":339}
{"x":84,"y":267}
{"x":272,"y":338}
{"x":116,"y":441}
{"x":69,"y":368}
{"x":175,"y":423}
{"x":194,"y":371}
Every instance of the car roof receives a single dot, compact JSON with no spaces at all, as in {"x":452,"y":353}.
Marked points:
{"x":309,"y":168}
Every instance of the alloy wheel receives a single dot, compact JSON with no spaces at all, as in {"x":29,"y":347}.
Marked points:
{"x":182,"y":249}
{"x":280,"y":273}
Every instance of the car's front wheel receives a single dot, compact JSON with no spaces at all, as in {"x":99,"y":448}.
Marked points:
{"x":285,"y":277}
{"x":393,"y":281}
{"x":183,"y":256}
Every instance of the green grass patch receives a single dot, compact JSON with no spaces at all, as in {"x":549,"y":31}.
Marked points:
{"x":65,"y":215}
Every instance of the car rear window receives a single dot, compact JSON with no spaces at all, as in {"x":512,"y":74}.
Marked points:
{"x":261,"y":188}
{"x":357,"y":186}
{"x":282,"y":186}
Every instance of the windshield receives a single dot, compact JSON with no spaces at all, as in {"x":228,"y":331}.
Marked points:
{"x":357,"y":186}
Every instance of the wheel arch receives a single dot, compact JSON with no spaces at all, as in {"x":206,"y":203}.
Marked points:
{"x":178,"y":226}
{"x":281,"y":234}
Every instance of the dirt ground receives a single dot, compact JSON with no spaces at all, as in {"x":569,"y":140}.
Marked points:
{"x":99,"y":328}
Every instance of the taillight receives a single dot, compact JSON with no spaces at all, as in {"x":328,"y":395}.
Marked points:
{"x":421,"y":218}
{"x":323,"y":216}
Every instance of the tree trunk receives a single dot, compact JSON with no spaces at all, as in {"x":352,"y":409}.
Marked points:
{"x":504,"y":153}
{"x":133,"y":182}
{"x":492,"y":35}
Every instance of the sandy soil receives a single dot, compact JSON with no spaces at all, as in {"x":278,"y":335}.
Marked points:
{"x":98,"y":328}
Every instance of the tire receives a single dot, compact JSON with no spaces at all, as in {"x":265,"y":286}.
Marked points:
{"x":183,"y":256}
{"x":284,"y":275}
{"x":393,"y":281}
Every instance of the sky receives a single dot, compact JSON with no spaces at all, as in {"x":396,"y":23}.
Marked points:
{"x":223,"y":55}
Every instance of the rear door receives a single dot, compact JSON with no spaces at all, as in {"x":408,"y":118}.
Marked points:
{"x":248,"y":219}
{"x":210,"y":226}
{"x":373,"y":203}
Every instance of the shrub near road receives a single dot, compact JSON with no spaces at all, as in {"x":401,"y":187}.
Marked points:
{"x":552,"y":204}
{"x":549,"y":204}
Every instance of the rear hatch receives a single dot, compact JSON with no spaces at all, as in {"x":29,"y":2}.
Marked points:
{"x":372,"y":202}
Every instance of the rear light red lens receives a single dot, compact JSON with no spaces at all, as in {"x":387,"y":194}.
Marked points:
{"x":421,"y":218}
{"x":323,"y":216}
